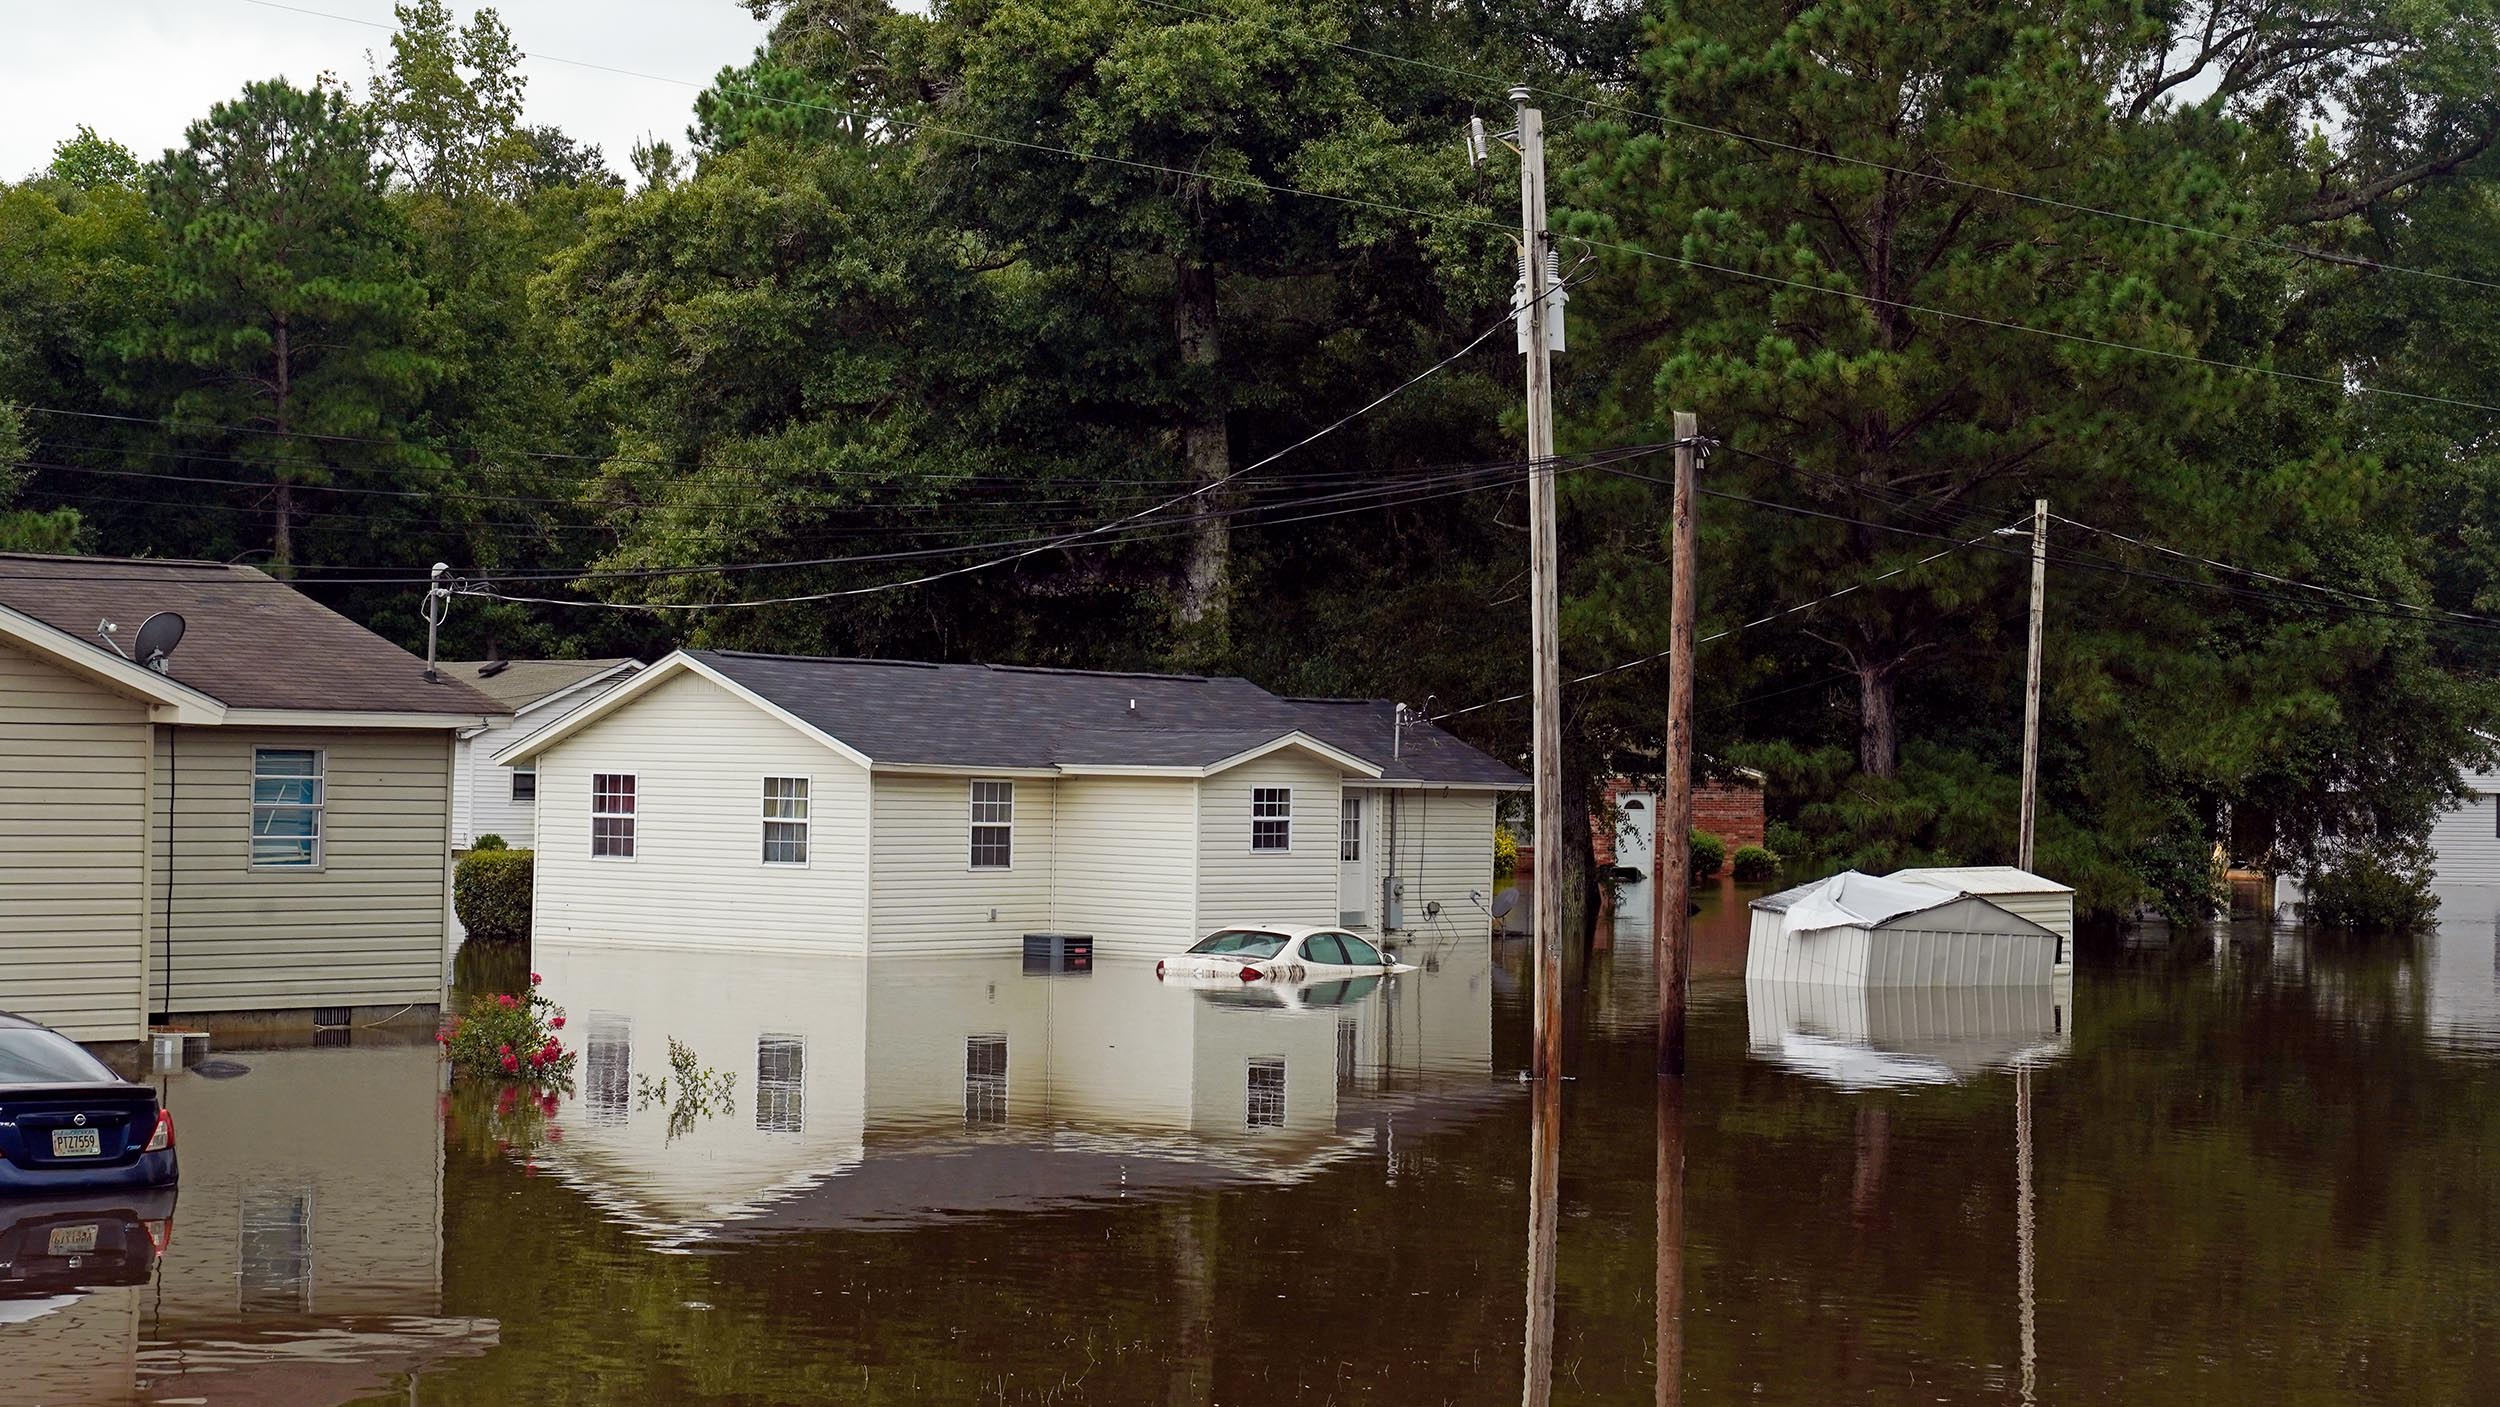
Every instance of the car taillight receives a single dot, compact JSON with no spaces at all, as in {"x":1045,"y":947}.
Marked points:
{"x":1251,"y":974}
{"x":163,"y":1138}
{"x":160,"y":1236}
{"x":1158,"y":969}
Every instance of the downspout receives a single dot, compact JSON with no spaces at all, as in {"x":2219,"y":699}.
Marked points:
{"x":173,"y":797}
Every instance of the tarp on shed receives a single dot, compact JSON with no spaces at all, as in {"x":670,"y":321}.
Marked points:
{"x":1853,"y":900}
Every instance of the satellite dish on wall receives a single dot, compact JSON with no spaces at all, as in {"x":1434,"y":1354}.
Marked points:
{"x":1504,"y":902}
{"x":157,"y":637}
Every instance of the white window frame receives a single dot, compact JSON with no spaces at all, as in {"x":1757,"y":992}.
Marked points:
{"x":1350,"y":829}
{"x":804,"y":820}
{"x":529,"y":770}
{"x":632,"y":816}
{"x":320,"y":777}
{"x":975,"y":825}
{"x":1258,"y":798}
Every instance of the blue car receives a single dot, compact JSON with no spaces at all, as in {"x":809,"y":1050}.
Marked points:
{"x":68,"y":1124}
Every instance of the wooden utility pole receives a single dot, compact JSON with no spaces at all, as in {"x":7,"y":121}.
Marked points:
{"x":2031,"y":683}
{"x":1674,"y":888}
{"x":1544,"y":597}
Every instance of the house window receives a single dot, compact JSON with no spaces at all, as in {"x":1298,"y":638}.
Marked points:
{"x":612,"y":815}
{"x":525,"y":782}
{"x":287,"y":797}
{"x":1271,"y":818}
{"x":785,"y":820}
{"x":1350,"y":838}
{"x":993,"y":825}
{"x":1266,"y":1092}
{"x":780,"y":1080}
{"x":985,"y":1079}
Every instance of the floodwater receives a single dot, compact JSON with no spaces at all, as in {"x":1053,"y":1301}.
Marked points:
{"x":2220,"y":1168}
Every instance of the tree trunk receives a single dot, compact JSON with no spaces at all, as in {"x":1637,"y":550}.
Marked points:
{"x":282,"y":541}
{"x":1579,"y":855}
{"x":1879,"y":728}
{"x":1205,"y":601}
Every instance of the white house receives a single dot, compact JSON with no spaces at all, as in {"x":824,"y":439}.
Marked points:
{"x":2465,"y":840}
{"x":887,"y":807}
{"x":488,"y":799}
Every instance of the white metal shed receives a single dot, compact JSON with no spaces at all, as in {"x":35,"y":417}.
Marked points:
{"x":1857,"y":930}
{"x":2044,"y":901}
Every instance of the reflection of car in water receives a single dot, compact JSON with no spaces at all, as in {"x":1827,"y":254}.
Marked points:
{"x":58,"y":1244}
{"x":1251,"y":952}
{"x":67,"y":1124}
{"x":1280,"y":996}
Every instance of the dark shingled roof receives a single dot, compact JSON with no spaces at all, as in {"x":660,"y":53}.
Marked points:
{"x":516,"y":684}
{"x":252,"y":641}
{"x":986,"y":715}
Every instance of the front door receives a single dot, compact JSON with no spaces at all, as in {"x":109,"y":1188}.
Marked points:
{"x":1354,"y":885}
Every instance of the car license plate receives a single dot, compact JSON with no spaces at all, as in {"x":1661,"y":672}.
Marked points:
{"x":74,"y":1240}
{"x":77,"y":1143}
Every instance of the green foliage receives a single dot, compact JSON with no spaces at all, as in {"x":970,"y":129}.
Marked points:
{"x":502,"y":1038}
{"x":1709,"y":853}
{"x":699,"y":1091}
{"x":1754,"y":864}
{"x":1505,"y":853}
{"x":87,"y":161}
{"x":2372,"y":889}
{"x":489,"y":841}
{"x":447,"y":107}
{"x":491,"y":890}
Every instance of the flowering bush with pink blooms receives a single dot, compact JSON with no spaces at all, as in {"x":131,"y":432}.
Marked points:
{"x":508,"y":1039}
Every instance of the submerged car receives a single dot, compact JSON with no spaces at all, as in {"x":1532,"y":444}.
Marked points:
{"x":68,"y":1124}
{"x":1252,"y":952}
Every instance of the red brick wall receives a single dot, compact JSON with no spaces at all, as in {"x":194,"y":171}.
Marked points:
{"x":1730,"y":810}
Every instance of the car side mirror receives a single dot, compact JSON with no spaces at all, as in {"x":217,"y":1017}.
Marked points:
{"x":1388,"y":957}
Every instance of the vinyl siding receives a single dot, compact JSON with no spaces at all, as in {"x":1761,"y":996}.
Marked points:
{"x":927,"y":898}
{"x":1127,"y":852}
{"x":364,"y":929}
{"x":73,"y":850}
{"x":1238,"y":884}
{"x":2465,"y":842}
{"x":485,"y":804}
{"x":1456,"y":828}
{"x":700,"y":755}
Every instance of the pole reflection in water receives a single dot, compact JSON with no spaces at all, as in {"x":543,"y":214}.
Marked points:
{"x":1670,"y":1242}
{"x":2022,"y":1231}
{"x":1544,"y":1224}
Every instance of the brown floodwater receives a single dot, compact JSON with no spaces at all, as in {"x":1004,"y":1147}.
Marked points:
{"x":2228,"y":1167}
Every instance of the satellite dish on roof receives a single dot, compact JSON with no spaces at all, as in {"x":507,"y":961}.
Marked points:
{"x":157,"y":637}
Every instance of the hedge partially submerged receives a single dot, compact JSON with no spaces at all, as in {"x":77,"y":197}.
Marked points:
{"x":490,"y":889}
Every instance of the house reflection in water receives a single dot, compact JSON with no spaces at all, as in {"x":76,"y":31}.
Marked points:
{"x":924,"y":1088}
{"x":301,"y":1260}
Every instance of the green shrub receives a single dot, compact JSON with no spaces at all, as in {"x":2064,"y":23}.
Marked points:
{"x":490,"y":841}
{"x":2372,"y":889}
{"x":1709,"y":853}
{"x":501,"y":1037}
{"x":1505,"y":853}
{"x":1755,"y":864}
{"x":490,"y":889}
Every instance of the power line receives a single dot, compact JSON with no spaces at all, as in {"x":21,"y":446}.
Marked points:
{"x":2266,"y":576}
{"x":1779,"y":614}
{"x":1505,"y":85}
{"x":2341,"y":385}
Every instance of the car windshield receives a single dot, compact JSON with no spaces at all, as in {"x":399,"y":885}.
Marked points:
{"x":1241,"y":943}
{"x":31,"y":1057}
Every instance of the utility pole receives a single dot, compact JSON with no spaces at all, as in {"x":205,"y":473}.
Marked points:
{"x":1674,"y":888}
{"x":2031,"y":683}
{"x":1544,"y":593}
{"x":437,"y":606}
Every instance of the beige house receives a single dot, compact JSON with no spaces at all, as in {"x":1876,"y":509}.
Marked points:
{"x":886,"y":807}
{"x":257,"y":823}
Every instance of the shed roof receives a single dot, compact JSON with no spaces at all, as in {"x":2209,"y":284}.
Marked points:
{"x":1984,"y":879}
{"x":905,"y":713}
{"x":516,"y":684}
{"x":251,"y":641}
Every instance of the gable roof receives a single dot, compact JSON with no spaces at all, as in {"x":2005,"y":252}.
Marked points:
{"x":900,"y":713}
{"x":517,"y":684}
{"x":252,"y":641}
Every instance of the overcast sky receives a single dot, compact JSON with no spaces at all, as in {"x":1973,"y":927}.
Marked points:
{"x":139,"y":71}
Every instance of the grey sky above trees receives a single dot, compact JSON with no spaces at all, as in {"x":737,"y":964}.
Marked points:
{"x":137,"y":71}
